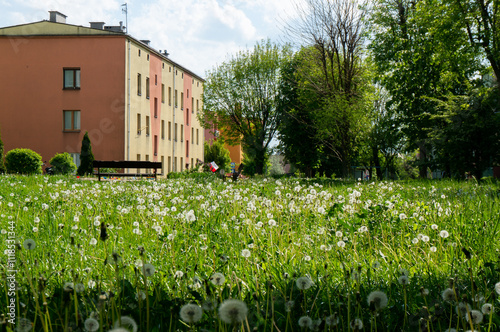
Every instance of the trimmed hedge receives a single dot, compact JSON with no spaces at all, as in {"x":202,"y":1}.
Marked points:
{"x":63,"y":163}
{"x":23,"y":161}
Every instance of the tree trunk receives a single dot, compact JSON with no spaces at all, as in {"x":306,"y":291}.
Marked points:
{"x":423,"y":161}
{"x":376,"y":162}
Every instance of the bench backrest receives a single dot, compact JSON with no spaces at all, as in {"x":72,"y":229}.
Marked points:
{"x":126,"y":164}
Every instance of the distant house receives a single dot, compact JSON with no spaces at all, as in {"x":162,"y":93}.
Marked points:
{"x":60,"y":80}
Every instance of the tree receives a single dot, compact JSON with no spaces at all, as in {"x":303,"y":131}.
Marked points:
{"x":414,"y":47}
{"x":86,"y":157}
{"x":2,"y":165}
{"x":331,"y":66}
{"x":63,"y":163}
{"x":241,"y":97}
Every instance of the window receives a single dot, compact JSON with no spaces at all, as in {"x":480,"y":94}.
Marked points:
{"x":139,"y":53}
{"x":169,"y":164}
{"x":163,"y":93}
{"x":71,"y":78}
{"x":197,"y":143}
{"x":175,"y":164}
{"x":182,"y":100}
{"x":156,"y":79}
{"x":192,"y":135}
{"x":148,"y":57}
{"x":76,"y":158}
{"x":139,"y":85}
{"x":162,"y":164}
{"x":182,"y":161}
{"x":148,"y":170}
{"x":175,"y":98}
{"x":192,"y":165}
{"x":71,"y":120}
{"x":197,"y":105}
{"x":156,"y":108}
{"x":187,"y":93}
{"x":169,"y":96}
{"x":147,"y":87}
{"x":187,"y":148}
{"x":147,"y":125}
{"x":192,"y":105}
{"x":175,"y":132}
{"x":187,"y":117}
{"x":139,"y":128}
{"x":162,"y":129}
{"x":169,"y":130}
{"x":155,"y":145}
{"x":182,"y":133}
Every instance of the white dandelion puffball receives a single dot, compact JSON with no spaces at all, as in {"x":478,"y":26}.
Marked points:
{"x":191,"y":313}
{"x":24,"y":325}
{"x":233,"y":311}
{"x":487,"y":309}
{"x":341,"y":244}
{"x":179,"y":274}
{"x":272,"y":222}
{"x":127,"y":323}
{"x":403,"y":280}
{"x":245,"y":253}
{"x":303,"y":283}
{"x":444,"y":234}
{"x":332,"y":320}
{"x":357,"y":324}
{"x":91,"y":325}
{"x":379,"y":300}
{"x":305,"y":321}
{"x":148,"y":269}
{"x":29,"y":244}
{"x":497,"y":288}
{"x":434,"y":227}
{"x":190,"y":217}
{"x":475,"y":316}
{"x":217,"y":279}
{"x":93,"y":241}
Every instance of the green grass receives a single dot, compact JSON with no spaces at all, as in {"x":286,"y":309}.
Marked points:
{"x":348,"y":238}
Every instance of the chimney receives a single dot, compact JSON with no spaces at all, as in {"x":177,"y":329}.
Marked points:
{"x":145,"y":41}
{"x":97,"y":25}
{"x":57,"y":17}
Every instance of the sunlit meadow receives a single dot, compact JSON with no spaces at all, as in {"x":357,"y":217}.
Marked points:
{"x":256,"y":255}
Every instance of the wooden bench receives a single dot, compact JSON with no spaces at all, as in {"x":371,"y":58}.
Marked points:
{"x":152,"y":165}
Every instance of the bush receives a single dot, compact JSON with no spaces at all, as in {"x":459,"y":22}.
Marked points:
{"x":23,"y":161}
{"x":217,"y":153}
{"x":63,"y":163}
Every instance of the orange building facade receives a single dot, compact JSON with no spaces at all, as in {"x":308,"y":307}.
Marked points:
{"x":59,"y":81}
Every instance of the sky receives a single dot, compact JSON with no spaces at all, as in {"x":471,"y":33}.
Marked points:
{"x":198,"y":34}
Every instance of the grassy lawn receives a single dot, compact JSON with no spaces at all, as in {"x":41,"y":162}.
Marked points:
{"x":256,"y":255}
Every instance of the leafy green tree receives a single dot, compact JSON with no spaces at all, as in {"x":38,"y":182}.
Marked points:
{"x":331,"y":66}
{"x":217,"y":153}
{"x":241,"y":97}
{"x":63,"y":163}
{"x":466,"y":133}
{"x":86,"y":157}
{"x":2,"y":165}
{"x":414,"y":47}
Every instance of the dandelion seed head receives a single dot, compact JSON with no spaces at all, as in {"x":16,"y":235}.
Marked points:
{"x":403,"y":280}
{"x":434,"y":227}
{"x":497,"y":288}
{"x":303,"y":283}
{"x":332,"y":320}
{"x":209,"y":305}
{"x":475,"y":316}
{"x":379,"y":300}
{"x":217,"y":279}
{"x":357,"y":324}
{"x":487,"y":309}
{"x":24,"y":325}
{"x":91,"y":324}
{"x":444,"y":234}
{"x":245,"y":253}
{"x":29,"y":244}
{"x":191,"y":313}
{"x":462,"y":308}
{"x":93,"y":241}
{"x":179,"y":274}
{"x":341,"y":244}
{"x":127,"y":323}
{"x":233,"y":311}
{"x":148,"y":269}
{"x":306,"y":322}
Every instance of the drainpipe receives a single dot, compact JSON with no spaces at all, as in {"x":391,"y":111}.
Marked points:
{"x":174,"y":168}
{"x":128,"y":101}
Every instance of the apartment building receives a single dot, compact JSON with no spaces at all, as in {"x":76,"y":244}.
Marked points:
{"x":59,"y":81}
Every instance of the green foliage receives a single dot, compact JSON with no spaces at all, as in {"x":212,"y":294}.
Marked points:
{"x":23,"y":161}
{"x":86,"y":157}
{"x":2,"y":164}
{"x":241,"y":97}
{"x":218,"y":153}
{"x":63,"y":163}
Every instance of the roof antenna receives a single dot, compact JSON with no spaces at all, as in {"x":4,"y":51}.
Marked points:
{"x":125,"y":10}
